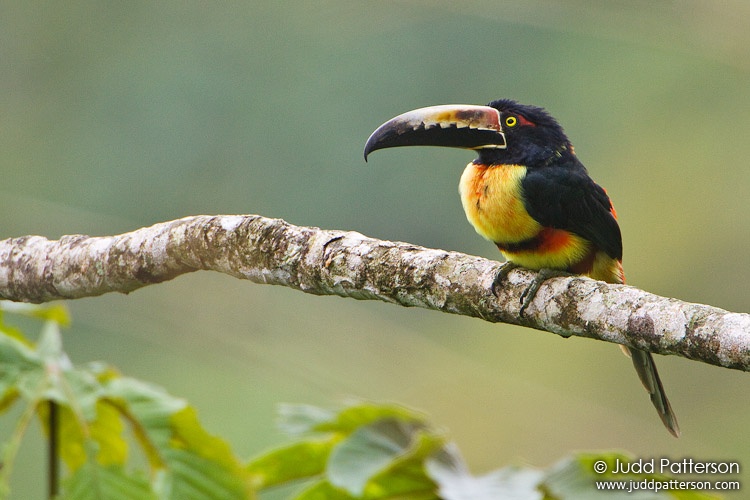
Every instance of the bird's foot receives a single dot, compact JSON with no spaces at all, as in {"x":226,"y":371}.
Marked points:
{"x":530,"y":292}
{"x":507,"y":267}
{"x":543,"y":275}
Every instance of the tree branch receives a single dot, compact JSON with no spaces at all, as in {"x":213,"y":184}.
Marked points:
{"x":348,"y":264}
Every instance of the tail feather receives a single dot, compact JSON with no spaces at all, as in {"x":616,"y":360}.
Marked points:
{"x":644,"y":365}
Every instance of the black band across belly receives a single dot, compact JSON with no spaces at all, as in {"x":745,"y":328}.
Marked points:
{"x":521,"y":246}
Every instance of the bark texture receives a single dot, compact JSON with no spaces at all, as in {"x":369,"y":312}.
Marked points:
{"x":348,"y":264}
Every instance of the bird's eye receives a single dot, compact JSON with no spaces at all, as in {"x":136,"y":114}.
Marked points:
{"x":511,"y":121}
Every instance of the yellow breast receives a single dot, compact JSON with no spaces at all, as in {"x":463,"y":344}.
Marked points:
{"x":493,"y":202}
{"x":491,"y":196}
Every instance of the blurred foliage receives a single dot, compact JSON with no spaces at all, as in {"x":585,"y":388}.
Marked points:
{"x":365,"y":451}
{"x":116,"y":116}
{"x":370,"y":451}
{"x":93,"y":404}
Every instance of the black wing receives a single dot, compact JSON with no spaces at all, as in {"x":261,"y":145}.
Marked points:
{"x":565,"y":197}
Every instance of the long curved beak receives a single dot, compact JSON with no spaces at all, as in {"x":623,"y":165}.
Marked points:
{"x":453,"y":125}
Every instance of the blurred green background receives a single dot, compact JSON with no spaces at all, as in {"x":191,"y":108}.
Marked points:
{"x":117,"y":115}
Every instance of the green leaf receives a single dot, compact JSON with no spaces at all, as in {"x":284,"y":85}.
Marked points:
{"x":57,"y":312}
{"x":12,"y":331}
{"x":73,"y":441}
{"x":148,"y":409}
{"x":380,"y":449}
{"x":367,"y":451}
{"x":194,"y":462}
{"x":363,"y":413}
{"x":107,"y":430}
{"x":17,"y":361}
{"x":188,"y":434}
{"x":79,"y":441}
{"x":49,"y":346}
{"x":406,"y":475}
{"x":402,"y":480}
{"x":323,"y":490}
{"x":298,"y":419}
{"x":189,"y":476}
{"x":94,"y":405}
{"x":96,"y":482}
{"x":302,"y":460}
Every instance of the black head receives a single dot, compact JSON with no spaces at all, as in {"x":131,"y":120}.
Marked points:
{"x":533,"y":136}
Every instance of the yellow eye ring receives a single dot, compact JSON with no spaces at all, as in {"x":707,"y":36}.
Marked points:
{"x":511,"y":121}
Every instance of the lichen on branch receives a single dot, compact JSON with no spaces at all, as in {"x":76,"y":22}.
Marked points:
{"x":348,"y":264}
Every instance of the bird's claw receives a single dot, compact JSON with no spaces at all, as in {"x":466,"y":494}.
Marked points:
{"x":506,"y":268}
{"x":530,"y":292}
{"x":543,"y":275}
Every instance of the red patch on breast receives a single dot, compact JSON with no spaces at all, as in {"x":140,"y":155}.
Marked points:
{"x":552,"y":240}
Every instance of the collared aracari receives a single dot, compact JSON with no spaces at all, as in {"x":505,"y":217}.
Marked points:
{"x":529,"y":194}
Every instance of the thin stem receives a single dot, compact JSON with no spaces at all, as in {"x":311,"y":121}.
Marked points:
{"x":53,"y":452}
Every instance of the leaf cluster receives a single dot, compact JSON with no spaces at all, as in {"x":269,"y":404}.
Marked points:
{"x":102,"y":414}
{"x":378,"y":452}
{"x":121,"y":439}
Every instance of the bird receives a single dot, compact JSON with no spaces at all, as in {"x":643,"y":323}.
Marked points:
{"x":529,"y":194}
